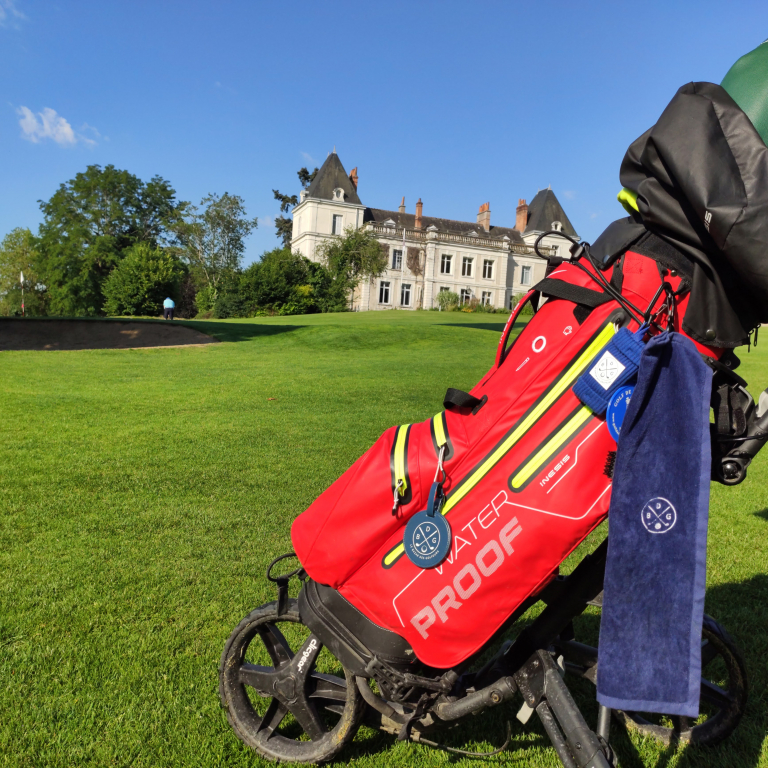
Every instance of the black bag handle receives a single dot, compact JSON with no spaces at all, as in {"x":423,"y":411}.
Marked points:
{"x":560,"y":289}
{"x":455,"y":398}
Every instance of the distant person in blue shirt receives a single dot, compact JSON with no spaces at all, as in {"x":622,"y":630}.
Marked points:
{"x":168,"y":306}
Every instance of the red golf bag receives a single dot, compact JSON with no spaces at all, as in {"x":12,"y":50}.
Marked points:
{"x":528,"y":477}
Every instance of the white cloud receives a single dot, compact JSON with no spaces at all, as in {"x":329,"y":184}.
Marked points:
{"x":593,"y":215}
{"x":10,"y":15}
{"x":48,"y":124}
{"x":266,"y":221}
{"x":309,"y":158}
{"x":570,"y":194}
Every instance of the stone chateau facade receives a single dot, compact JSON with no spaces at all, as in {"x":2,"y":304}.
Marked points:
{"x":425,"y":254}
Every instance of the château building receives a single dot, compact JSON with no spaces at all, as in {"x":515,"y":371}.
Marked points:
{"x":427,"y":254}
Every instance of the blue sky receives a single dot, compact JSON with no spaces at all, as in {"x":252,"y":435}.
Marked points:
{"x":456,"y":103}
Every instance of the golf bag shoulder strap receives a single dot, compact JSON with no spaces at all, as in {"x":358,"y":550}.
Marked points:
{"x":455,"y":398}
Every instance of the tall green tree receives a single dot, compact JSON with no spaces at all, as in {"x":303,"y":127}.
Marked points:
{"x":281,"y":282}
{"x":90,"y":221}
{"x":356,"y":256}
{"x":142,"y":280}
{"x":213,"y":239}
{"x":18,"y":254}
{"x":284,"y":224}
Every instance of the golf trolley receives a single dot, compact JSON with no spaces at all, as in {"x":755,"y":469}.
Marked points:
{"x":296,"y":678}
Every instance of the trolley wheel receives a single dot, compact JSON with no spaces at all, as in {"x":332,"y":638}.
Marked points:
{"x":723,"y":696}
{"x":289,"y":705}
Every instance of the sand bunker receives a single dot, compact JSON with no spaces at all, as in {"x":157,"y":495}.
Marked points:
{"x":18,"y":334}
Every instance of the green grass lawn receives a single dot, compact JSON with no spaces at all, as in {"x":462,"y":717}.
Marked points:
{"x":143,"y":492}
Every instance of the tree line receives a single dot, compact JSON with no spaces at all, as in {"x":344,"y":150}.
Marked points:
{"x":112,"y":244}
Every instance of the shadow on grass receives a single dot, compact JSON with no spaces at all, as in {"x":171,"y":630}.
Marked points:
{"x":761,"y":513}
{"x":743,"y":606}
{"x":498,"y":327}
{"x":239,"y":331}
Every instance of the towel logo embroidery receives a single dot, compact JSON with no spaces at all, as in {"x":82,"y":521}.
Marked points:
{"x":659,"y":515}
{"x":605,"y":371}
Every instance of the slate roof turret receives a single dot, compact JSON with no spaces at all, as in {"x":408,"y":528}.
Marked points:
{"x":543,"y":210}
{"x":332,"y":176}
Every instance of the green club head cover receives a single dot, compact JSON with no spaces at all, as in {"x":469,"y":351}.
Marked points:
{"x":747,"y":84}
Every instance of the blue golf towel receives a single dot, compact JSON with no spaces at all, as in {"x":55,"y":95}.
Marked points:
{"x":653,"y":600}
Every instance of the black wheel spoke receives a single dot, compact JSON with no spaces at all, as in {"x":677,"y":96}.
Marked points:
{"x":708,"y":653}
{"x":272,"y":718}
{"x":276,"y":644}
{"x":307,"y":717}
{"x":260,"y":678}
{"x":715,"y":695}
{"x":327,"y":687}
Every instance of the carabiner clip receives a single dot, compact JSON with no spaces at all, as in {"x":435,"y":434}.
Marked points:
{"x":440,"y":471}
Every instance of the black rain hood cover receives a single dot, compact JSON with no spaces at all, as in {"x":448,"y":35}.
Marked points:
{"x":701,"y":178}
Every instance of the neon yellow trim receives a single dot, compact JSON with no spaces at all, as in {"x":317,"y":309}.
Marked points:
{"x":401,"y":481}
{"x":550,"y":447}
{"x":628,"y":199}
{"x":439,"y":431}
{"x":394,"y":554}
{"x":565,"y":383}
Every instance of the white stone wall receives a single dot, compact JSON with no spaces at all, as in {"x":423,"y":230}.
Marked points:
{"x":455,"y":280}
{"x":538,"y":268}
{"x":313,"y":221}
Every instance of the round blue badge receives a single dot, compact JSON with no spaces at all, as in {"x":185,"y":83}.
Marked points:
{"x":617,"y":408}
{"x":427,"y":539}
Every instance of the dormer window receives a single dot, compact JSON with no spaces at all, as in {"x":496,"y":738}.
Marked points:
{"x":389,"y":223}
{"x":338,"y":194}
{"x":303,"y":195}
{"x":557,"y":226}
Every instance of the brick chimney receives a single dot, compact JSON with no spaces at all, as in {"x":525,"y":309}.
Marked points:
{"x":401,"y":209}
{"x":484,"y":216}
{"x":419,"y":206}
{"x":521,"y":222}
{"x":353,"y":177}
